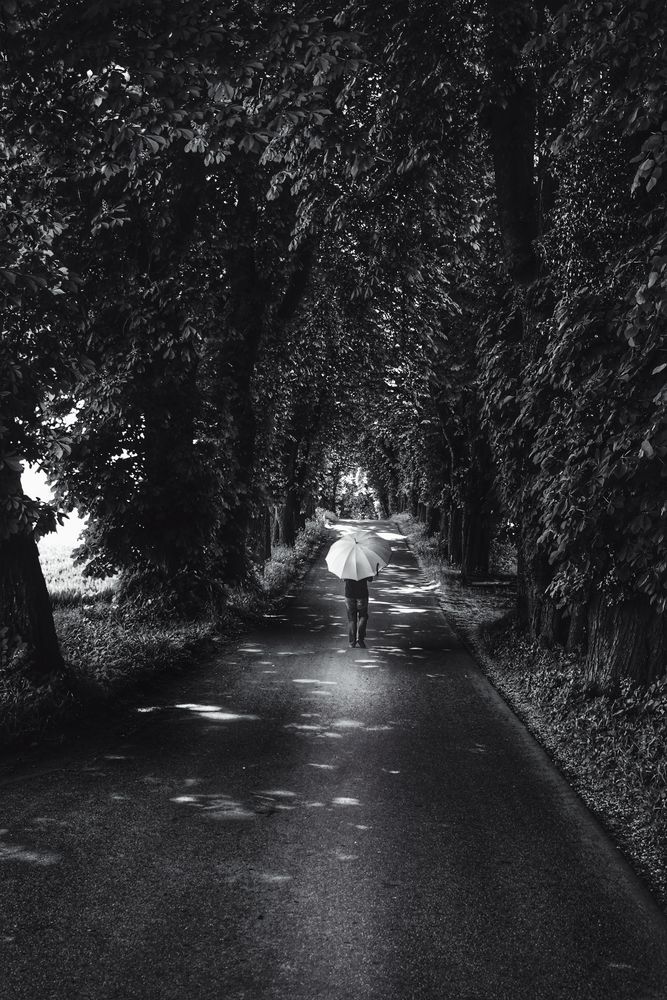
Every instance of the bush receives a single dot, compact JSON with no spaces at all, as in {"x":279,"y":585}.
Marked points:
{"x":286,"y":563}
{"x":613,"y":749}
{"x":109,"y":647}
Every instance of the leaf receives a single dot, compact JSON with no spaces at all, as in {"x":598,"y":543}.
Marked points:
{"x":660,"y":368}
{"x":646,"y":449}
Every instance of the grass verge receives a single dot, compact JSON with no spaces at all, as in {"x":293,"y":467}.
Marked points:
{"x":613,"y":751}
{"x":111,"y":652}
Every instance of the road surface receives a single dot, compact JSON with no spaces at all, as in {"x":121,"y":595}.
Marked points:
{"x":300,"y":820}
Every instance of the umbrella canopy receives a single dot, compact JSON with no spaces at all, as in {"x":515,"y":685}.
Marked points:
{"x":358,"y":556}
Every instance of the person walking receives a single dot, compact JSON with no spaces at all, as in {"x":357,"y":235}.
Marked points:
{"x":356,"y":559}
{"x":356,"y":600}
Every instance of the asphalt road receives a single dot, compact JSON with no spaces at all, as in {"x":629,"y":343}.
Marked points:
{"x":301,"y":820}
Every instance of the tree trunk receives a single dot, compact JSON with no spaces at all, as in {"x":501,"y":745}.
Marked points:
{"x":241,"y":339}
{"x":476,"y":542}
{"x":260,"y":536}
{"x":578,"y":631}
{"x":511,"y":116}
{"x":276,"y":536}
{"x":307,"y":507}
{"x":522,"y":581}
{"x":455,"y":540}
{"x":551,"y":624}
{"x":626,"y":640}
{"x":26,"y":616}
{"x":476,"y":490}
{"x":247,"y":316}
{"x":267,"y":533}
{"x":288,"y":517}
{"x":178,"y":516}
{"x":443,"y":533}
{"x":433,"y":517}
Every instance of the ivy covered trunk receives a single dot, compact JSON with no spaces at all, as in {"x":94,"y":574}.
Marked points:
{"x":626,"y":639}
{"x":241,"y":339}
{"x":27,"y":629}
{"x":534,"y":575}
{"x":511,"y":120}
{"x":289,"y":509}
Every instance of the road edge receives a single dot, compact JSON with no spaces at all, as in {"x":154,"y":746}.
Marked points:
{"x":471,"y":640}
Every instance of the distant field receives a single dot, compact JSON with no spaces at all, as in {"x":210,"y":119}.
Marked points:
{"x":64,"y":580}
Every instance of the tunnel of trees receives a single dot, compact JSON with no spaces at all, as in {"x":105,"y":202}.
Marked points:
{"x":247,"y":247}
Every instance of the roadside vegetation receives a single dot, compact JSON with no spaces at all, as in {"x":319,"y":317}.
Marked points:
{"x":111,"y":648}
{"x":612,"y":748}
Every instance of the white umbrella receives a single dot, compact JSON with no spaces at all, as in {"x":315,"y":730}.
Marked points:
{"x":358,"y":556}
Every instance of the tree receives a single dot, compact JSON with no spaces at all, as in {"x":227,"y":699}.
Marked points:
{"x":34,"y":363}
{"x":603,"y":507}
{"x":167,"y":106}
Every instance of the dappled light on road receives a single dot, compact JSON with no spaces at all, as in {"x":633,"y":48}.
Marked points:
{"x":402,"y":609}
{"x":311,"y":680}
{"x":216,"y":806}
{"x":214,"y":712}
{"x":26,"y":855}
{"x":304,"y":727}
{"x":200,"y":708}
{"x":229,"y":716}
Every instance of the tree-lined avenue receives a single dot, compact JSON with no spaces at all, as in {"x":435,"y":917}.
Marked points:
{"x":301,"y":819}
{"x":248,"y":250}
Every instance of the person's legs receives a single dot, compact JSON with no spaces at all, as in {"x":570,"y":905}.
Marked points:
{"x":351,"y":603}
{"x":363,"y":620}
